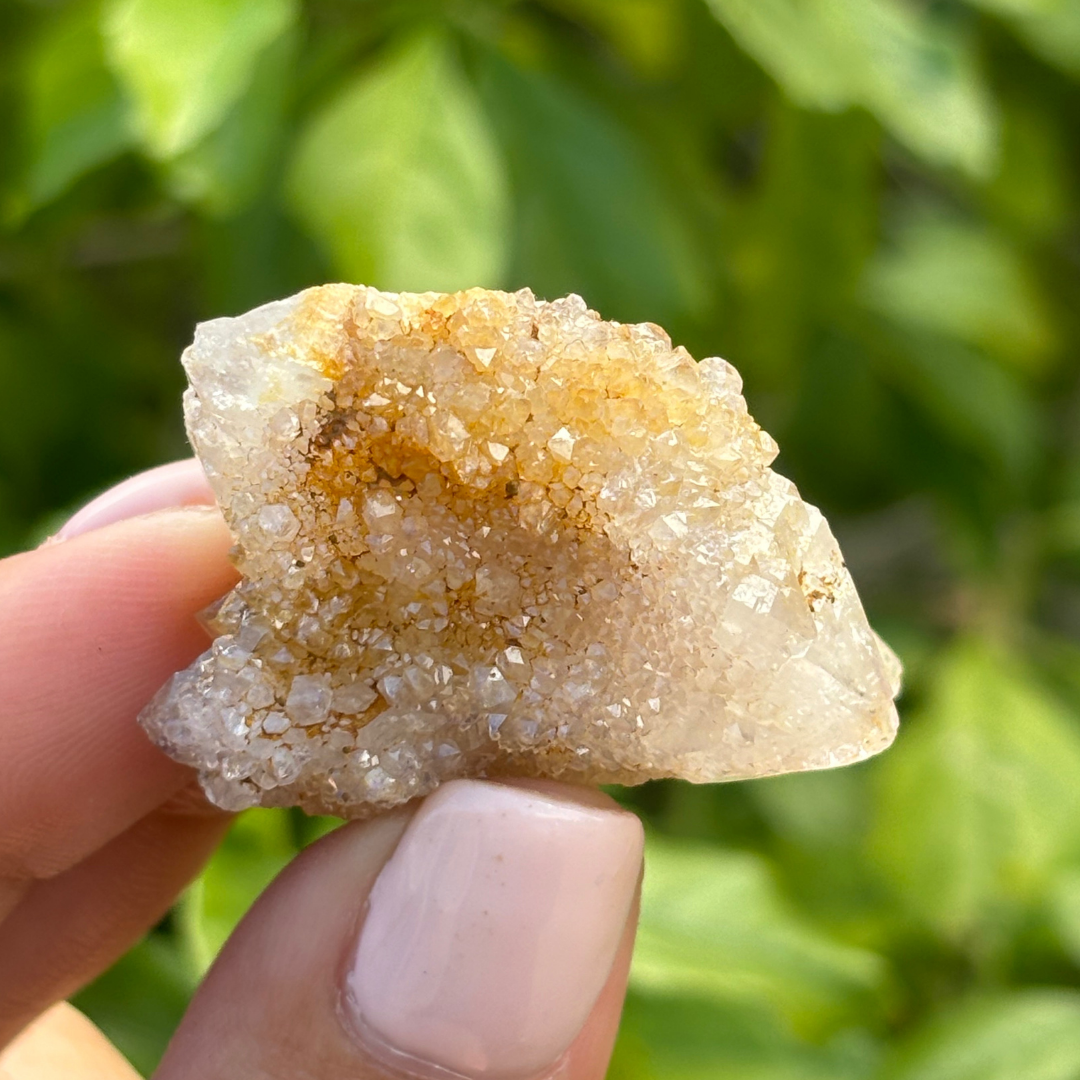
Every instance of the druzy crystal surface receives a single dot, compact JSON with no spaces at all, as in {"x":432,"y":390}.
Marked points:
{"x":482,"y":534}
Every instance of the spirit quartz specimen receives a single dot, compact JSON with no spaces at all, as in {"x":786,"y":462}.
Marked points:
{"x":482,"y":534}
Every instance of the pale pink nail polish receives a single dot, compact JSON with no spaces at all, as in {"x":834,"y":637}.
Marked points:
{"x":492,"y":930}
{"x":181,"y":483}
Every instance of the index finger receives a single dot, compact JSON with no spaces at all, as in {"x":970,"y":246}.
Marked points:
{"x":89,"y":629}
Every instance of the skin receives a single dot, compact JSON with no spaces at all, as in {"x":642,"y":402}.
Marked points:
{"x":99,"y":831}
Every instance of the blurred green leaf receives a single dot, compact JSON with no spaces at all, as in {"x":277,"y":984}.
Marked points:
{"x":647,"y":32}
{"x":1031,"y":188}
{"x":76,"y":117}
{"x":794,"y":43}
{"x":801,"y":246}
{"x":400,"y":177}
{"x":592,"y":214}
{"x":225,"y":171}
{"x":1050,"y":27}
{"x":139,"y":1001}
{"x":675,"y":1038}
{"x":979,"y":404}
{"x":1020,"y":7}
{"x":1055,"y":34}
{"x":45,"y":410}
{"x":714,"y":925}
{"x":965,"y":281}
{"x":257,"y":848}
{"x":184,"y":65}
{"x":918,"y":79}
{"x":309,"y":828}
{"x":1031,"y":1035}
{"x":815,"y":809}
{"x":1065,"y":910}
{"x":1058,"y":656}
{"x":979,"y":799}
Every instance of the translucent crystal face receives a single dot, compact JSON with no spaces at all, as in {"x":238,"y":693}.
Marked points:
{"x":483,"y":535}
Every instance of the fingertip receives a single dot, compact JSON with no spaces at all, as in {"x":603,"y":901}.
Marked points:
{"x":180,"y":483}
{"x":62,"y":1044}
{"x":91,"y":628}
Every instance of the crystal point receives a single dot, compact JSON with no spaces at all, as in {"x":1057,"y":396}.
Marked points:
{"x":486,"y":535}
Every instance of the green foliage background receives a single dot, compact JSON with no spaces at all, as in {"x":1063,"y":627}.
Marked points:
{"x":870,"y":206}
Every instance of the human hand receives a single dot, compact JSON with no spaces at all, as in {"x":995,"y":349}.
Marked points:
{"x":483,"y":933}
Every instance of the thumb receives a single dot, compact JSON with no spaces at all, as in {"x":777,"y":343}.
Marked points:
{"x":484,"y":935}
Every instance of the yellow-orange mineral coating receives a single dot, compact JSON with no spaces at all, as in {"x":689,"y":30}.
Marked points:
{"x":482,"y":534}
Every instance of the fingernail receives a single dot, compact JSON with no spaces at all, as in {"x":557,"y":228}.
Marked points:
{"x":492,"y":929}
{"x":182,"y":483}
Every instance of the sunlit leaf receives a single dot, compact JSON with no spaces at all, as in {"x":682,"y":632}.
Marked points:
{"x":646,"y":32}
{"x":979,"y":799}
{"x":794,"y":43}
{"x":76,"y":116}
{"x":1028,"y":1035}
{"x":917,"y":79}
{"x":400,"y":178}
{"x":1064,"y":901}
{"x":963,"y":280}
{"x":714,"y":925}
{"x":676,"y":1038}
{"x":258,"y":846}
{"x":1050,"y":27}
{"x":592,"y":214}
{"x":225,"y":171}
{"x":1056,"y":35}
{"x":184,"y":65}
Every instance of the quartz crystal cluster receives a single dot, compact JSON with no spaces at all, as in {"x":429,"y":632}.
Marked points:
{"x":482,"y":534}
